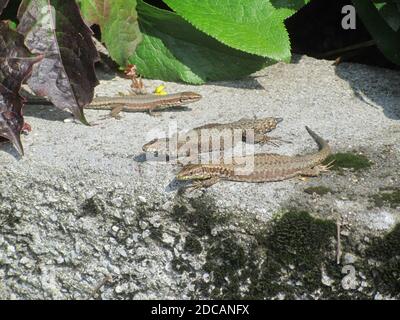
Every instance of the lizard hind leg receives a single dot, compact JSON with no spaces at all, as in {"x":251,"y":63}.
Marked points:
{"x":152,"y":112}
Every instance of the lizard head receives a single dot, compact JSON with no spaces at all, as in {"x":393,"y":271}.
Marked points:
{"x":188,"y":97}
{"x":193,"y":172}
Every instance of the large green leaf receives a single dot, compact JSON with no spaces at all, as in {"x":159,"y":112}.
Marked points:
{"x":391,"y":13}
{"x":387,"y":40}
{"x":253,"y":26}
{"x":119,"y":25}
{"x":3,"y":4}
{"x":289,"y":7}
{"x":174,"y":50}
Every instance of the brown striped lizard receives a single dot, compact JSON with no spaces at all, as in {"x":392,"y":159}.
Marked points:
{"x":264,"y":167}
{"x":134,"y":103}
{"x":200,"y":139}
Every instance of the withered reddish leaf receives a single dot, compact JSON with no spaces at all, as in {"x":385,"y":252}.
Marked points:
{"x":15,"y":66}
{"x":66,"y":75}
{"x":16,"y":60}
{"x":11,"y":121}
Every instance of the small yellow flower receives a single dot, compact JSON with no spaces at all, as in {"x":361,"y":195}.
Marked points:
{"x":160,"y":90}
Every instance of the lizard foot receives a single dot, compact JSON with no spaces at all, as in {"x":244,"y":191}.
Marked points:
{"x":329,"y":165}
{"x":325,"y":167}
{"x":317,"y":170}
{"x":202,"y":184}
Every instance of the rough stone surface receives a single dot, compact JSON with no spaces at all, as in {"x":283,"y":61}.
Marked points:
{"x":83,"y":216}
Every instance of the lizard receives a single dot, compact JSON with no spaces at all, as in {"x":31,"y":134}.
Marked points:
{"x":180,"y":145}
{"x":266,"y":167}
{"x":133,"y":103}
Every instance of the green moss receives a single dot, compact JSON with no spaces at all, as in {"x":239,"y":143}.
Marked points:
{"x":8,"y":218}
{"x":201,"y":216}
{"x":180,"y":265}
{"x":389,"y":197}
{"x":349,"y":160}
{"x":229,"y":264}
{"x":156,"y":233}
{"x":320,"y":190}
{"x":297,"y":233}
{"x":284,"y":256}
{"x":192,"y":245}
{"x":299,"y":240}
{"x":386,"y":251}
{"x":250,"y":266}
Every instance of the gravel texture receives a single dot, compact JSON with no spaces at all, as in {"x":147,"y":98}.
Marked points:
{"x":83,"y":216}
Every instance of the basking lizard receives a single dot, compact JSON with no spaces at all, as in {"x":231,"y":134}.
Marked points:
{"x":265,"y":167}
{"x":133,"y":103}
{"x":181,"y":145}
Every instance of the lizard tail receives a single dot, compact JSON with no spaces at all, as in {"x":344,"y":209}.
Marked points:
{"x":324,"y":148}
{"x":321,"y":142}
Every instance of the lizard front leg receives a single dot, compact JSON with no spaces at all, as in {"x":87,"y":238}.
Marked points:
{"x":262,"y":138}
{"x":116,"y":111}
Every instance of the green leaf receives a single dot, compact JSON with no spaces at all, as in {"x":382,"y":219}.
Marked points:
{"x":174,"y":50}
{"x":118,"y":21}
{"x":391,"y":13}
{"x":289,"y":7}
{"x":387,"y":40}
{"x":12,"y":25}
{"x":3,"y":4}
{"x":253,"y":26}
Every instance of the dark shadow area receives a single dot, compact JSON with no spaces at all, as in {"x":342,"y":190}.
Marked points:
{"x":296,"y":58}
{"x":176,"y":185}
{"x":10,"y":12}
{"x":316,"y":30}
{"x":141,"y":158}
{"x":325,"y":38}
{"x":175,"y":109}
{"x":148,"y":157}
{"x":8,"y":147}
{"x":107,"y":74}
{"x":46,"y":112}
{"x":250,"y":83}
{"x":380,"y":86}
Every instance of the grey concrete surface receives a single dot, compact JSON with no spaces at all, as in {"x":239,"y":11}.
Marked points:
{"x":82,"y":216}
